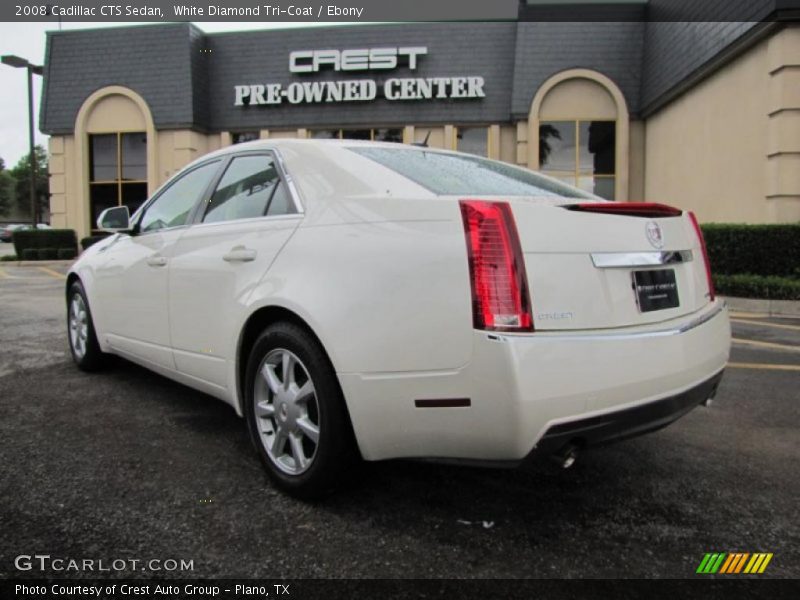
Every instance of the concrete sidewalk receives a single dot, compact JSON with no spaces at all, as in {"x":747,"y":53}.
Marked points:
{"x":772,"y":308}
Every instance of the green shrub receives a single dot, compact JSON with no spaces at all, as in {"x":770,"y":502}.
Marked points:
{"x":757,"y":286}
{"x":30,"y":254}
{"x":44,"y":238}
{"x":67,"y":253}
{"x":47,"y":253}
{"x":755,"y":249}
{"x":92,"y":239}
{"x":8,"y":258}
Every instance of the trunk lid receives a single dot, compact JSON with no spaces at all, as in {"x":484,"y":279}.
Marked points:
{"x":580,"y":265}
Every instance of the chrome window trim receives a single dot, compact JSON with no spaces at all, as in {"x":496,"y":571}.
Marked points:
{"x":287,"y":178}
{"x":249,"y":220}
{"x":623,"y":260}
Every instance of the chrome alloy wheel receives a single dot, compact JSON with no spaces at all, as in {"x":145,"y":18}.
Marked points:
{"x":78,"y":326}
{"x":286,"y":411}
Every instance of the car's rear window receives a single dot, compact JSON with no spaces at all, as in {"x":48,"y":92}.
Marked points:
{"x":452,"y":174}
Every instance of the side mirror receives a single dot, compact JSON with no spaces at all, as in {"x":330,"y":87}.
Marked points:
{"x":116,"y":218}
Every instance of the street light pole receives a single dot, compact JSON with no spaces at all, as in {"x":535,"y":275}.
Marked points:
{"x":34,"y":204}
{"x":21,"y":63}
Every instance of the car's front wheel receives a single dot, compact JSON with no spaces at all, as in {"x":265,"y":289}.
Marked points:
{"x":80,"y":329}
{"x":295,"y":412}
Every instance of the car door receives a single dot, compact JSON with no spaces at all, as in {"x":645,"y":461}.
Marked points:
{"x":246,"y":220}
{"x":132,"y":276}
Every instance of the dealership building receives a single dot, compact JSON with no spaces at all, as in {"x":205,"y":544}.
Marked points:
{"x":702,"y":115}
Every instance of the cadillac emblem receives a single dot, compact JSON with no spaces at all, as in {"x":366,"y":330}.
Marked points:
{"x":654,"y":236}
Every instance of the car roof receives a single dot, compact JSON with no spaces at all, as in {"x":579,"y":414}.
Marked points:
{"x":300,"y":144}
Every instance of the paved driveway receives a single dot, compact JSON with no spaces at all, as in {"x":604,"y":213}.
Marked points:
{"x":126,"y":464}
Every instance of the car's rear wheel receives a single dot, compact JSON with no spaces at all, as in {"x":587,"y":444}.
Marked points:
{"x":295,"y":412}
{"x":80,"y":329}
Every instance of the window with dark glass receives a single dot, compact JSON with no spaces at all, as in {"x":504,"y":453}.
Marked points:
{"x":473,"y":140}
{"x":326,"y":134}
{"x":250,"y":187}
{"x":581,"y":153}
{"x":378,"y":135}
{"x":240,"y":137}
{"x":173,"y":205}
{"x":117,"y":171}
{"x":356,"y":134}
{"x":388,"y":135}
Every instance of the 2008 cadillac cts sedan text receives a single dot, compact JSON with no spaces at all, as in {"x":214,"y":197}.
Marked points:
{"x":384,"y":301}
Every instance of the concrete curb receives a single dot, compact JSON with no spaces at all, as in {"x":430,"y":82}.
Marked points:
{"x":773,"y":308}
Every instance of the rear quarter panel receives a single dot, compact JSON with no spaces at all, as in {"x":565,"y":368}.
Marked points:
{"x":382,"y":295}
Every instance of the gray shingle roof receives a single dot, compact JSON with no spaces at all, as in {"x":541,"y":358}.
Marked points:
{"x":186,"y":87}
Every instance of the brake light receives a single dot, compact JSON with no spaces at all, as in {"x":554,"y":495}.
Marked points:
{"x":699,"y":232}
{"x":500,"y":299}
{"x":631,"y":209}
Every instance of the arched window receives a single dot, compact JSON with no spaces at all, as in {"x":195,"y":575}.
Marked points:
{"x":116,"y":151}
{"x":577,"y":120}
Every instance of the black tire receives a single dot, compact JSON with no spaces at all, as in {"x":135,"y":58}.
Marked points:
{"x":91,"y":358}
{"x":334,"y":451}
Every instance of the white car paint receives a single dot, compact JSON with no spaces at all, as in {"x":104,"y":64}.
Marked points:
{"x":376,"y":266}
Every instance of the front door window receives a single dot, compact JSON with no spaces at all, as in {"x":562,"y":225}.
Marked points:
{"x":173,"y":205}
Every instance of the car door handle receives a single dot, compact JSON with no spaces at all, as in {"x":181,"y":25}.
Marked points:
{"x":239,"y":254}
{"x":156,"y":261}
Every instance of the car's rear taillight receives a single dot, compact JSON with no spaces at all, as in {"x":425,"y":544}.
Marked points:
{"x":699,"y":232}
{"x":500,"y":298}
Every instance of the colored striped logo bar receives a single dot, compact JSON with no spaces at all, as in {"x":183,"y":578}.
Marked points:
{"x":729,"y":563}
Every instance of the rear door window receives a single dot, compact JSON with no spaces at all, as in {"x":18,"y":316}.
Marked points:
{"x":250,"y":185}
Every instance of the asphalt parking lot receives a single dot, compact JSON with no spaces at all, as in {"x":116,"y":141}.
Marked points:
{"x":127,"y":464}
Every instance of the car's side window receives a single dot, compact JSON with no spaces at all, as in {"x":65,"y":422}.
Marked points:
{"x":247,"y":189}
{"x":172,"y":207}
{"x":281,"y":203}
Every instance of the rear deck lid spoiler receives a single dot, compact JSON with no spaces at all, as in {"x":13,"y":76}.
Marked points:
{"x":650,"y":210}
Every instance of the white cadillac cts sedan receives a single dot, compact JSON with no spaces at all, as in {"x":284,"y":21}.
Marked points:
{"x":385,"y":301}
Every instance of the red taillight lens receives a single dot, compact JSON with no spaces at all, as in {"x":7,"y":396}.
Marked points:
{"x":699,"y":232}
{"x":500,"y":300}
{"x":632,"y":209}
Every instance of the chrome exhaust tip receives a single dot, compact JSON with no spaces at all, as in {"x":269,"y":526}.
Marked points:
{"x":710,"y":400}
{"x":567,"y":457}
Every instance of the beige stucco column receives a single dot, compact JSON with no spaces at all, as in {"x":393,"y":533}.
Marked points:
{"x":60,"y":179}
{"x":408,"y":134}
{"x":783,"y":137}
{"x":450,"y":137}
{"x":493,"y":142}
{"x":522,"y":143}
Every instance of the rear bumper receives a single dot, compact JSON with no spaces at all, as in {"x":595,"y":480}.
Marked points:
{"x":627,"y":423}
{"x":521,"y":393}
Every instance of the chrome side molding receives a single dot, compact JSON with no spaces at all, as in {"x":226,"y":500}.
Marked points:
{"x":622,"y":260}
{"x":587,"y":336}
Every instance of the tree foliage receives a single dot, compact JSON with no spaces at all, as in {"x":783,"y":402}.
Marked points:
{"x":21,"y":176}
{"x":7,"y":185}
